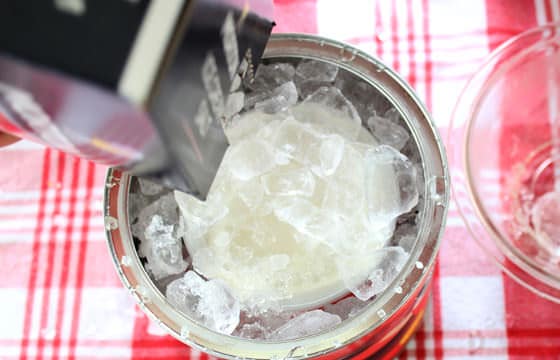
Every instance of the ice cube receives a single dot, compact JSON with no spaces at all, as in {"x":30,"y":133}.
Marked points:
{"x":257,"y":323}
{"x":251,"y":331}
{"x":206,"y":262}
{"x":313,"y":70}
{"x":391,"y":186}
{"x":280,"y":99}
{"x":345,"y":308}
{"x":163,"y":249}
{"x":149,"y":188}
{"x":268,"y":77}
{"x":312,"y":74}
{"x":545,"y":215}
{"x":165,"y":206}
{"x":306,"y":324}
{"x":388,"y":132}
{"x":253,"y":98}
{"x":388,"y":263}
{"x":330,"y":111}
{"x":289,"y":182}
{"x":405,"y":236}
{"x":392,"y":115}
{"x":136,"y":203}
{"x":209,"y":302}
{"x":367,"y":100}
{"x":407,"y":242}
{"x":325,"y":157}
{"x":251,"y":158}
{"x":234,"y":103}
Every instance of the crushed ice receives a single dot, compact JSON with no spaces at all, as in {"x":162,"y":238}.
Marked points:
{"x":302,"y":211}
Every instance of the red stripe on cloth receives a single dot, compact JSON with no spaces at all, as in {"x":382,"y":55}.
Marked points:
{"x":50,"y":253}
{"x":66,"y":252}
{"x":82,"y":246}
{"x":394,"y":31}
{"x":428,"y":50}
{"x":420,"y":336}
{"x":420,"y":340}
{"x":411,"y":50}
{"x":507,"y":18}
{"x":295,"y":16}
{"x":31,"y":284}
{"x":548,"y":10}
{"x":378,"y":27}
{"x":437,"y":313}
{"x":141,"y":337}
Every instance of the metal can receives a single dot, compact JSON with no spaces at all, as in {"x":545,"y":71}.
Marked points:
{"x":386,"y":324}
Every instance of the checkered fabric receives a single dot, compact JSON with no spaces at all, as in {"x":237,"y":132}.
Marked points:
{"x":60,"y":296}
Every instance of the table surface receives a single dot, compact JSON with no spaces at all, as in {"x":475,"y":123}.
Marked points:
{"x":60,"y":296}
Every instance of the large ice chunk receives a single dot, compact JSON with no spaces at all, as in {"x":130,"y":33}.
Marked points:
{"x":306,"y":324}
{"x":209,"y":302}
{"x":163,"y":249}
{"x":306,"y":218}
{"x":289,"y":182}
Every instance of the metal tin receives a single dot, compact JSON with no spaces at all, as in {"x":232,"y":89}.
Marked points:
{"x":387,"y":323}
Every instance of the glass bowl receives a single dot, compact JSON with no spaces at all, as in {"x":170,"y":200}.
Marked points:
{"x":503,"y":147}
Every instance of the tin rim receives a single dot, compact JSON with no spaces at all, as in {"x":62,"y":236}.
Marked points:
{"x":411,"y":279}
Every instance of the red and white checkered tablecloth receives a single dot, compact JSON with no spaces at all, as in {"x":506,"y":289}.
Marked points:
{"x":60,"y":296}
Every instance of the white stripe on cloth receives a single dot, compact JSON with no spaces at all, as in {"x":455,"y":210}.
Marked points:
{"x":354,"y":19}
{"x":457,"y":30}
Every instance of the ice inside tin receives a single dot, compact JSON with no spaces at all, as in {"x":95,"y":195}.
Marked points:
{"x":312,"y":213}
